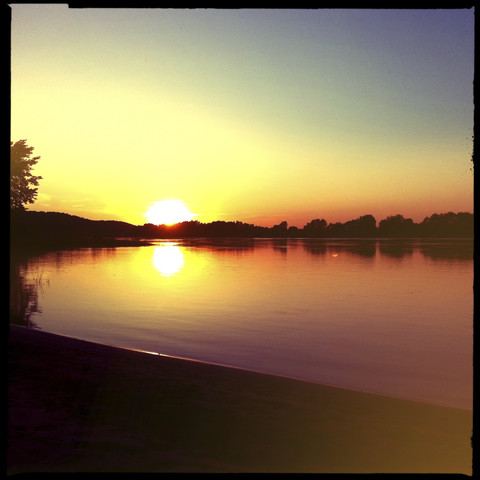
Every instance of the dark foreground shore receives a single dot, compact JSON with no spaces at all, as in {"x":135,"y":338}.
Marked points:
{"x":76,"y":406}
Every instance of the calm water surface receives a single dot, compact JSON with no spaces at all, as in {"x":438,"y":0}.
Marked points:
{"x":389,"y":317}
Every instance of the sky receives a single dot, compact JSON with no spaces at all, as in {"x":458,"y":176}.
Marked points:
{"x":256,"y":115}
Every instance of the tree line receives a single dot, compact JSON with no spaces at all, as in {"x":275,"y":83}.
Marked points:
{"x":447,"y":225}
{"x":60,"y":229}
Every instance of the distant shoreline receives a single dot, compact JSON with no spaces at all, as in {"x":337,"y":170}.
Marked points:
{"x":57,"y":230}
{"x":39,"y":246}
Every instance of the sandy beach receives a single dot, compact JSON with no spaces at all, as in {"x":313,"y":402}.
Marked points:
{"x":76,"y":406}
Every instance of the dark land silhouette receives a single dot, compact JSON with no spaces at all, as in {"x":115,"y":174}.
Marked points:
{"x":30,"y":228}
{"x":77,"y":406}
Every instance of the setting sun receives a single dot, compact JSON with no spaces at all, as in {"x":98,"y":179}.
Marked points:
{"x":168,"y":212}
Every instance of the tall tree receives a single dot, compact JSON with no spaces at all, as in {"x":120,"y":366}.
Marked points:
{"x":23,"y":185}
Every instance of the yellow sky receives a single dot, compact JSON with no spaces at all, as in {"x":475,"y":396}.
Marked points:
{"x":245,"y":115}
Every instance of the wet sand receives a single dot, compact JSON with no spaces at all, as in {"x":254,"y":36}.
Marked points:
{"x":76,"y":406}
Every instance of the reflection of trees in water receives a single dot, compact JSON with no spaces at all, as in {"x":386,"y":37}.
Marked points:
{"x":234,"y":245}
{"x":316,"y":248}
{"x":281,"y":245}
{"x":450,"y":249}
{"x":448,"y":252}
{"x":395,"y":249}
{"x":366,"y":249}
{"x":26,"y":281}
{"x":23,"y":291}
{"x":363,"y":248}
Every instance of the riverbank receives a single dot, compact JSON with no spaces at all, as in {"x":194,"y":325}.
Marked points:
{"x":76,"y":406}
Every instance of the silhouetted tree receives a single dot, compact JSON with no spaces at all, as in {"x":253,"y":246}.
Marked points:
{"x":336,"y":229}
{"x":315,"y":228}
{"x":21,"y":178}
{"x":365,"y":226}
{"x":397,"y":226}
{"x":280,"y":229}
{"x":448,"y":225}
{"x":316,"y":224}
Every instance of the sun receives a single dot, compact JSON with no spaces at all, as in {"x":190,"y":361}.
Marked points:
{"x":168,"y":212}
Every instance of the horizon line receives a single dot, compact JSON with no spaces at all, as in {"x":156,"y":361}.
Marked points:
{"x":242,"y":221}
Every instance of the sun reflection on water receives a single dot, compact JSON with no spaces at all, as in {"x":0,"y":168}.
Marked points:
{"x":168,"y":259}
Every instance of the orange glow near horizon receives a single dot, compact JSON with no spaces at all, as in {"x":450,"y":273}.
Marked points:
{"x":168,"y":212}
